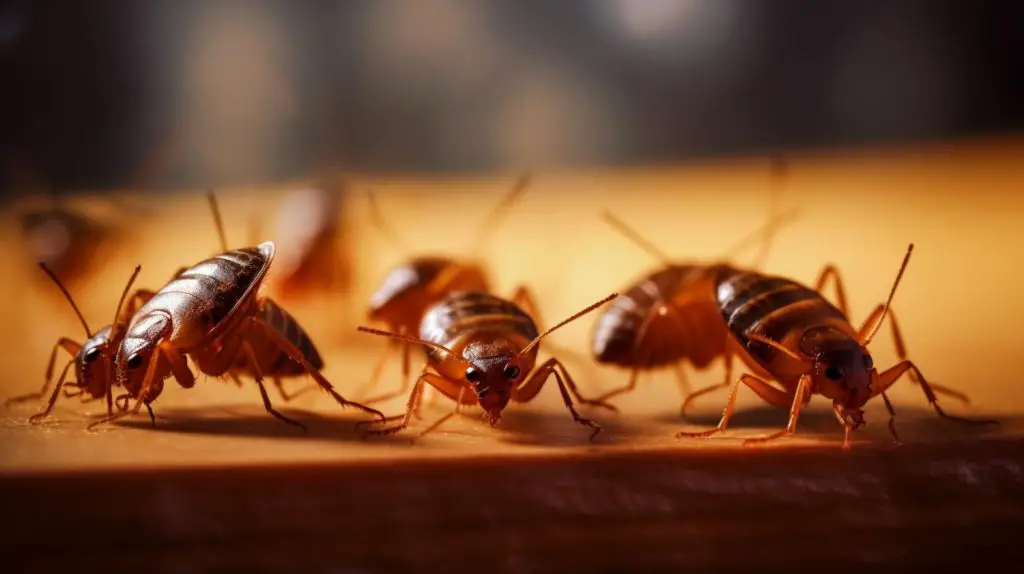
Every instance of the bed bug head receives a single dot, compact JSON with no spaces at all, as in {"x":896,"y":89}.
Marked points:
{"x":138,"y":349}
{"x":495,"y":366}
{"x":843,"y":368}
{"x":493,"y":369}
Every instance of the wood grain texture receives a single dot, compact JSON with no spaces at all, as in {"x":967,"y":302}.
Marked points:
{"x":219,"y":485}
{"x":955,"y":506}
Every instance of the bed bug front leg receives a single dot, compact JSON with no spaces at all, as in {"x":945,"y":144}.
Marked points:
{"x":761,"y":388}
{"x":413,"y":403}
{"x":36,"y":418}
{"x":800,"y":398}
{"x":888,"y":377}
{"x":69,"y":346}
{"x":524,"y":298}
{"x":901,"y":351}
{"x":532,"y":385}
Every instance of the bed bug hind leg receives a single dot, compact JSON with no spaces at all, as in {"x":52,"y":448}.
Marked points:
{"x":258,"y":376}
{"x":727,"y":362}
{"x":526,"y":391}
{"x":71,"y":347}
{"x":285,"y":395}
{"x":295,"y":354}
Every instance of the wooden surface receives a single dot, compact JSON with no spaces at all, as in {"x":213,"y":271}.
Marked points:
{"x":219,"y":483}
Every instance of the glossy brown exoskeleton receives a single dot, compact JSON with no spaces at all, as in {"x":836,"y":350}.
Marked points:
{"x":669,"y":316}
{"x":789,"y":333}
{"x":213,"y":313}
{"x":482,"y":349}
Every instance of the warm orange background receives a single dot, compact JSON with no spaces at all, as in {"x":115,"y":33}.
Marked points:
{"x":959,"y":304}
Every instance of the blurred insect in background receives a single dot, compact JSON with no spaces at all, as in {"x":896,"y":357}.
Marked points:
{"x":786,"y":332}
{"x":669,"y":316}
{"x":312,"y":257}
{"x":409,"y":289}
{"x":70,"y":237}
{"x":64,"y":239}
{"x":481,"y":349}
{"x":213,"y":313}
{"x":92,"y":359}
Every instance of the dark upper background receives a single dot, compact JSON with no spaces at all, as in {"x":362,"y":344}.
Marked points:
{"x":176,"y":93}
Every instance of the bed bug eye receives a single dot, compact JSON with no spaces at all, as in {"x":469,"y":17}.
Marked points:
{"x":91,"y":355}
{"x":868,"y":363}
{"x":833,"y":373}
{"x":512,"y":371}
{"x":474,"y":375}
{"x":134,"y":362}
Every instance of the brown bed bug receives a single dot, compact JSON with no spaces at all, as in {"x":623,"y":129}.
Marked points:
{"x":669,"y":317}
{"x":482,"y":349}
{"x":409,"y":289}
{"x":92,"y":359}
{"x":307,"y":230}
{"x":786,"y":332}
{"x":66,"y":240}
{"x":213,"y":313}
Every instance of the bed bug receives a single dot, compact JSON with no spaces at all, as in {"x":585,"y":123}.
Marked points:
{"x":482,"y":349}
{"x":310,"y":255}
{"x":213,"y":313}
{"x":65,"y":240}
{"x":669,"y":316}
{"x":409,"y":289}
{"x":786,"y":332}
{"x":91,"y":358}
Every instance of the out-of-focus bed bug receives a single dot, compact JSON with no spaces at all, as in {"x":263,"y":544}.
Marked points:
{"x":212,"y":312}
{"x":92,"y":359}
{"x":481,"y":349}
{"x":788,"y":333}
{"x":64,"y":239}
{"x":669,"y":316}
{"x":308,"y":233}
{"x":412,"y":287}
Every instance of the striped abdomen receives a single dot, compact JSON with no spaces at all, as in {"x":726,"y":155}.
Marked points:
{"x":201,"y":299}
{"x":409,"y":289}
{"x":466,"y":314}
{"x":666,"y":317}
{"x":273,"y":361}
{"x":773,"y":307}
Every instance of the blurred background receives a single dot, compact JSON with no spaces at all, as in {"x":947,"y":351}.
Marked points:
{"x":900,"y":121}
{"x":170,"y":94}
